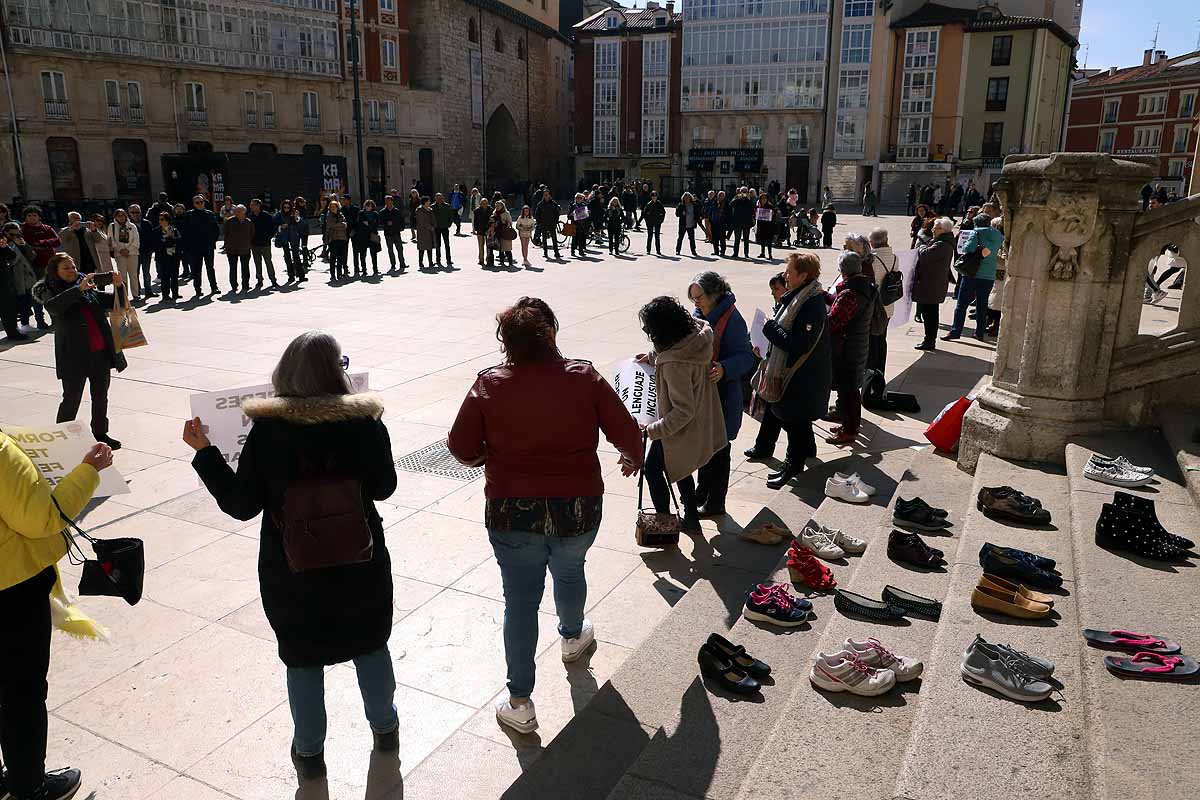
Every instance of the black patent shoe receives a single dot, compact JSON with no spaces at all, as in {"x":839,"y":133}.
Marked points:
{"x":309,"y":768}
{"x":716,"y":667}
{"x":740,"y":658}
{"x":711,"y":510}
{"x":777,"y":480}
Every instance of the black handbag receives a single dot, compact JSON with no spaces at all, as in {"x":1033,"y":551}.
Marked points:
{"x":118,"y":570}
{"x":968,"y":263}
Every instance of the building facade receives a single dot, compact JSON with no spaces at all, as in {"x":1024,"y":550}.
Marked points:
{"x":627,"y":96}
{"x":1148,"y":109}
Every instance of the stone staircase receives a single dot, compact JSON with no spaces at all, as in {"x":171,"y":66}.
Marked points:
{"x":655,"y":730}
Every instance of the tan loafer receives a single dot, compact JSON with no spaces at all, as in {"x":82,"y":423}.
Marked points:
{"x":769,"y":534}
{"x":1011,"y":604}
{"x":996,"y":582}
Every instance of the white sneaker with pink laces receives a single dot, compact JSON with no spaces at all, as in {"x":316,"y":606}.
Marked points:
{"x":846,"y":672}
{"x":874,"y":654}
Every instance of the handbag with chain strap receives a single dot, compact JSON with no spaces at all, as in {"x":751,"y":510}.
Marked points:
{"x":655,"y":529}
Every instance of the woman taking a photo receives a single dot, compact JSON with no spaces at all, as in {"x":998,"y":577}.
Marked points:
{"x":533,"y":423}
{"x":32,"y":542}
{"x":732,"y":360}
{"x":316,"y":453}
{"x":797,"y":390}
{"x":83,"y":342}
{"x":690,"y":428}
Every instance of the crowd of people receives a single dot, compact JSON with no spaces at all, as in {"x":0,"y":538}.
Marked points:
{"x":950,"y":199}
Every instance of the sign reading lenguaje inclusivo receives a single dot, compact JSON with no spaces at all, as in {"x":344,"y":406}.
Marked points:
{"x":224,"y":422}
{"x":635,"y":386}
{"x":57,"y":449}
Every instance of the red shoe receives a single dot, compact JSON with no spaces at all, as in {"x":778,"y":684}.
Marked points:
{"x":803,"y":567}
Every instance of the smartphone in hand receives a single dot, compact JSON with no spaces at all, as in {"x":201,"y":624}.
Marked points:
{"x":102,"y":279}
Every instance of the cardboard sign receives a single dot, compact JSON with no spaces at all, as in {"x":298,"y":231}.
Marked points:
{"x":635,"y":386}
{"x":764,"y":214}
{"x":227,"y":427}
{"x":906,"y":263}
{"x":757,"y":337}
{"x":57,"y":449}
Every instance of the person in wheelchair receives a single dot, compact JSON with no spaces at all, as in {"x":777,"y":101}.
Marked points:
{"x":807,"y":231}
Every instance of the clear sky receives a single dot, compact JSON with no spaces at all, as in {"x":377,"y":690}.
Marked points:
{"x":1115,"y":32}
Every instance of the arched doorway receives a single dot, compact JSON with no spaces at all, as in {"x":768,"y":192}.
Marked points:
{"x":503,"y":156}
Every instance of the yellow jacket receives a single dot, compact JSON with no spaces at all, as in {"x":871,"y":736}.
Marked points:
{"x":30,"y":527}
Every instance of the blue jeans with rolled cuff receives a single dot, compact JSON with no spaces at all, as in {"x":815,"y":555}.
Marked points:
{"x":306,"y":698}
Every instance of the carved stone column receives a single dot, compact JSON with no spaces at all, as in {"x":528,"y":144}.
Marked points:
{"x":1067,"y":218}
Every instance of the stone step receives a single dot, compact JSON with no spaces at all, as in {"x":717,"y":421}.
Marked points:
{"x":693,"y":752}
{"x":971,"y":743}
{"x":1134,"y":755}
{"x":819,"y":733}
{"x":1181,"y":428}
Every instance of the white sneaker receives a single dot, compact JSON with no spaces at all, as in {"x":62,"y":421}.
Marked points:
{"x":856,"y":479}
{"x":846,"y":672}
{"x":521,"y":719}
{"x":874,"y":654}
{"x":817,"y":539}
{"x":572,"y":649}
{"x":844,"y":490}
{"x":851,"y":544}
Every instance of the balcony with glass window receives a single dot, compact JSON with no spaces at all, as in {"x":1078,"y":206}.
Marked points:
{"x":58,"y":109}
{"x":389,"y":126}
{"x":137,"y":115}
{"x":374,"y":126}
{"x":268,"y":119}
{"x":312,"y":122}
{"x":197,"y":117}
{"x":114,"y":113}
{"x":251,"y":119}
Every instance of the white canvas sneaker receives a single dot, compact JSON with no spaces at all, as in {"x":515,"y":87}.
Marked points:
{"x":856,"y":479}
{"x":851,"y":544}
{"x":522,"y":719}
{"x":874,"y":654}
{"x":572,"y":649}
{"x":846,"y":672}
{"x":845,"y":490}
{"x":1121,"y":461}
{"x":817,"y":539}
{"x":1114,"y":474}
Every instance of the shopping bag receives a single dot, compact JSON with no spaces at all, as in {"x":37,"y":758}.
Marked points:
{"x":946,"y":428}
{"x":126,"y":329}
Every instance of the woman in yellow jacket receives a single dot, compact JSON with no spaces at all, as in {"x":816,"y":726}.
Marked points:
{"x":31,"y":543}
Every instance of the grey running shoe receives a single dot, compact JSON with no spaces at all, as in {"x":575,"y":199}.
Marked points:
{"x":986,"y":665}
{"x":1034,"y":665}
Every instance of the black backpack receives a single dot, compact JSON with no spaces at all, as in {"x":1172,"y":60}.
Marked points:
{"x":891,"y":288}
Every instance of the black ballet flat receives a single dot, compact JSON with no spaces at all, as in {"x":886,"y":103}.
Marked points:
{"x":856,"y":605}
{"x":913,"y":604}
{"x":716,"y":667}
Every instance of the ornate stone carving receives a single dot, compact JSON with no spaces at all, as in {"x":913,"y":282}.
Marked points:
{"x":1070,"y":222}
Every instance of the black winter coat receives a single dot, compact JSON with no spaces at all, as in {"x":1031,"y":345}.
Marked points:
{"x":199,"y":227}
{"x":849,"y":346}
{"x":547,"y":214}
{"x":66,"y":303}
{"x":325,"y":616}
{"x":931,"y":278}
{"x":743,"y":212}
{"x":807,"y":395}
{"x":654,"y":213}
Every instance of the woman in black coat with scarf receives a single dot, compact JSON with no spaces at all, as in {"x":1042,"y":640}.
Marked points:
{"x":799,"y":330}
{"x":83,"y":343}
{"x":315,"y":439}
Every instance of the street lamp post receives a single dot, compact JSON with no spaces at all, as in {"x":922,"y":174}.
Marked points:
{"x":358,"y":140}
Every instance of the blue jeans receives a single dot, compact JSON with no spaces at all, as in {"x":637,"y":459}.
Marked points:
{"x":523,"y":558}
{"x":972,"y":290}
{"x":306,"y":697}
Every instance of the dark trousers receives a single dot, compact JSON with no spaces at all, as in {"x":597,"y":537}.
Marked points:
{"x":614,"y":240}
{"x":654,"y":237}
{"x":96,"y":372}
{"x":579,"y":240}
{"x":690,"y":233}
{"x":718,"y":241}
{"x":548,"y":239}
{"x":877,"y":352}
{"x":660,"y":494}
{"x":442,"y":236}
{"x":26,"y":307}
{"x":244,"y":260}
{"x":25,"y":631}
{"x":360,"y":258}
{"x":144,"y":264}
{"x":802,"y":444}
{"x":337,"y":259}
{"x":194,"y":258}
{"x":849,"y":405}
{"x":768,"y":433}
{"x":395,"y":245}
{"x":741,"y":237}
{"x":827,"y":237}
{"x":929,"y":315}
{"x":168,"y":275}
{"x":712,"y":482}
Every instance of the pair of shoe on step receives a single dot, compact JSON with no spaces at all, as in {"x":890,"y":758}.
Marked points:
{"x":1154,"y":657}
{"x":865,"y":668}
{"x":1130,"y":523}
{"x":729,"y":666}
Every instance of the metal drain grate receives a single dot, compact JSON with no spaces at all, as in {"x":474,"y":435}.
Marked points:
{"x":435,"y":459}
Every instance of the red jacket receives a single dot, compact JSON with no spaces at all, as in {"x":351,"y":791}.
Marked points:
{"x":43,"y":240}
{"x":535,"y":429}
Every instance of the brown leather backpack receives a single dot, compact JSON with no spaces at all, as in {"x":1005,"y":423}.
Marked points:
{"x":323,"y":522}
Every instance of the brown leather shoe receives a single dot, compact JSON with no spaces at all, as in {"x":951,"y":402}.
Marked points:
{"x":1005,"y":503}
{"x":1000,"y":584}
{"x":1010,"y":604}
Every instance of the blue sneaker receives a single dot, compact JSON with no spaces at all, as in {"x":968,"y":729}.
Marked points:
{"x":774,"y":604}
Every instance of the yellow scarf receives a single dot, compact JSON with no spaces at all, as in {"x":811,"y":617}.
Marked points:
{"x":69,"y":618}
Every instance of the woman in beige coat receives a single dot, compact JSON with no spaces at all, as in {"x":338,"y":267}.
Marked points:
{"x":690,"y":427}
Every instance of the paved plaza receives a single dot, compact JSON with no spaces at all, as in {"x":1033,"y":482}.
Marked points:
{"x":188,"y":701}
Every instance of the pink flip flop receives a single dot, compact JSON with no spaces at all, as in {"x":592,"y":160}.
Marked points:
{"x":1153,"y":665}
{"x":1132,"y":642}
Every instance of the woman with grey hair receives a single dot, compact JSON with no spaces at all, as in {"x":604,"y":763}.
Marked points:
{"x":314,"y":463}
{"x":732,"y":361}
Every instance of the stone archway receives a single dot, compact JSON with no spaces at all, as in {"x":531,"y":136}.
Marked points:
{"x":503,"y":150}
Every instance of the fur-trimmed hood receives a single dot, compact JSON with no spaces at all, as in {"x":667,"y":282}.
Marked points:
{"x":316,"y":410}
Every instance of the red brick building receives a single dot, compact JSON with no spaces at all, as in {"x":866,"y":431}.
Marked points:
{"x":1150,"y":109}
{"x":627,"y":84}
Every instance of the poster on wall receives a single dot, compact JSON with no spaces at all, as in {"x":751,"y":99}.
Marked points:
{"x":476,"y":89}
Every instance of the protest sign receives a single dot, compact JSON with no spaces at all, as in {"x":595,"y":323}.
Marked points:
{"x":757,"y":337}
{"x":906,"y":262}
{"x":635,"y":386}
{"x":226,"y":425}
{"x":57,"y":449}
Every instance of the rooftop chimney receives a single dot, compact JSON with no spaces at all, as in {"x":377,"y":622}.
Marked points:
{"x":1147,"y":57}
{"x":1159,"y":55}
{"x":1112,"y":71}
{"x":651,"y":5}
